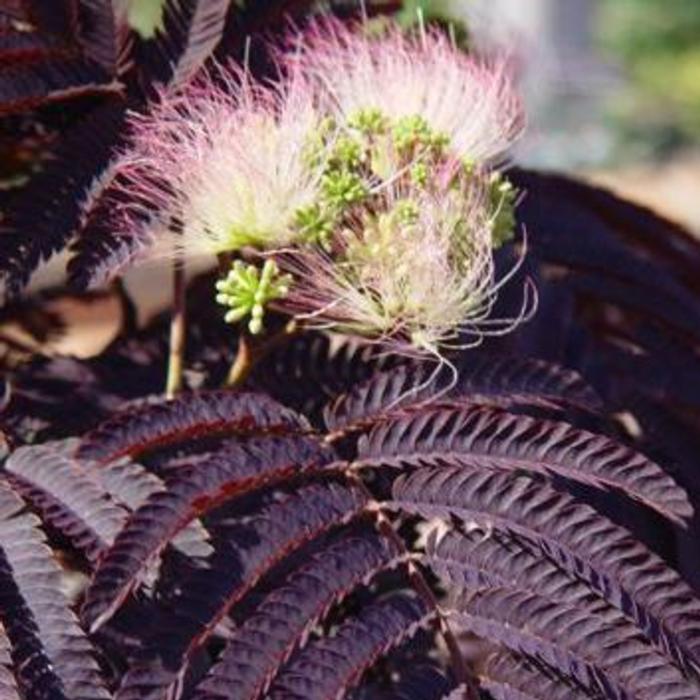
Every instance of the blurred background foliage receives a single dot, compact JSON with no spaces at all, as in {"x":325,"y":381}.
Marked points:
{"x":658,"y":45}
{"x":648,"y":51}
{"x":144,"y":15}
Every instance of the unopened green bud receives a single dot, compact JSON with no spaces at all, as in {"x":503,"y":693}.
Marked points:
{"x":368,"y":121}
{"x":419,"y":174}
{"x":411,"y":131}
{"x":247,"y":289}
{"x":348,"y":153}
{"x":342,"y":188}
{"x":439,"y":140}
{"x":315,"y":224}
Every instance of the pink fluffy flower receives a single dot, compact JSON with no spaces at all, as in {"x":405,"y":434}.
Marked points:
{"x":470,"y":101}
{"x":415,"y":275}
{"x":225,"y":162}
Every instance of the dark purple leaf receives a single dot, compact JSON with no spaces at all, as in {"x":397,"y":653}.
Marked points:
{"x":232,"y":471}
{"x":559,"y":207}
{"x":29,"y":84}
{"x":101,"y":251}
{"x":479,"y":560}
{"x":512,"y":677}
{"x":593,"y":650}
{"x":284,"y":619}
{"x":251,"y":550}
{"x":184,"y":418}
{"x":98,"y":33}
{"x":20,"y":47}
{"x":66,"y":497}
{"x":59,"y":18}
{"x":131,"y":485}
{"x":51,"y":654}
{"x":572,"y":535}
{"x":501,"y":440}
{"x":413,"y":681}
{"x":313,"y":368}
{"x":191,"y":31}
{"x":330,"y":666}
{"x":482,"y":378}
{"x":46,"y":214}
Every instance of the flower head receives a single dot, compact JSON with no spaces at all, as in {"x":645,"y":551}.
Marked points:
{"x":414,"y":272}
{"x":415,"y":82}
{"x":226,"y":161}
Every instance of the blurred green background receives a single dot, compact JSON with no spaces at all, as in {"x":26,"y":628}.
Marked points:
{"x":650,"y":50}
{"x":658,"y":44}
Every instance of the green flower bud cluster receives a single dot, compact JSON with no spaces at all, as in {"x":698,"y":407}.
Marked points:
{"x":315,"y":224}
{"x":369,"y":147}
{"x":343,"y":183}
{"x":342,"y":188}
{"x":247,"y":289}
{"x":419,"y":174}
{"x":348,"y":153}
{"x":414,"y":132}
{"x":370,"y":122}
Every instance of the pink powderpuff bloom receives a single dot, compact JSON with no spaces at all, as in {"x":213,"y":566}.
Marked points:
{"x":470,"y":101}
{"x":418,"y":277}
{"x":225,"y":162}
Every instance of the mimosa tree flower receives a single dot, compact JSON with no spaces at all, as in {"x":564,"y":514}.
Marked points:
{"x":365,"y":177}
{"x":226,"y":162}
{"x":414,"y":81}
{"x":415,"y":273}
{"x":411,"y":263}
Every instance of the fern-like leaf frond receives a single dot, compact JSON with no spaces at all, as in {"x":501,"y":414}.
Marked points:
{"x":185,"y":417}
{"x":500,"y":381}
{"x":488,"y":437}
{"x":591,"y":649}
{"x":234,"y":470}
{"x":250,"y":550}
{"x":71,"y":503}
{"x":573,"y":535}
{"x":330,"y":666}
{"x":285,"y":618}
{"x":51,"y":654}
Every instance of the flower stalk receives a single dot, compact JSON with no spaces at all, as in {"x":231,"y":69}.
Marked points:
{"x":178,"y":330}
{"x":243,"y":362}
{"x":252,"y":349}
